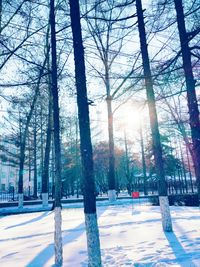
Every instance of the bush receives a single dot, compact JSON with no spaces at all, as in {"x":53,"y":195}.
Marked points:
{"x":190,"y":200}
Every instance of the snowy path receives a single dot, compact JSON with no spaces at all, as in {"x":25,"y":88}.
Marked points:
{"x":126,"y":239}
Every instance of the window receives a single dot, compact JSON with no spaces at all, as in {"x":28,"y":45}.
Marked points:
{"x":3,"y":187}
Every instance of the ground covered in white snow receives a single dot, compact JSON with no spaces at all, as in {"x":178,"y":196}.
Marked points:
{"x":128,"y":238}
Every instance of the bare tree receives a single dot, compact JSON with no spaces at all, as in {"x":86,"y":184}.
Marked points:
{"x":108,"y":20}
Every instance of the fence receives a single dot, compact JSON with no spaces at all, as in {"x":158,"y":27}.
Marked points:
{"x":8,"y":196}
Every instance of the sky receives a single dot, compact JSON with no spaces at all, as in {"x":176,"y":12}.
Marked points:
{"x":130,"y":235}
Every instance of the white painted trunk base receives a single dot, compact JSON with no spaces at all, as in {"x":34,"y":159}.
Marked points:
{"x":58,"y":237}
{"x":112,"y":195}
{"x":20,"y":201}
{"x":165,"y":213}
{"x":45,"y":200}
{"x":93,"y":243}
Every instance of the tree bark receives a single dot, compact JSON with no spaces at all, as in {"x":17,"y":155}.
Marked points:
{"x":157,"y":149}
{"x":0,"y":15}
{"x":56,"y":127}
{"x":191,"y":93}
{"x":93,"y":243}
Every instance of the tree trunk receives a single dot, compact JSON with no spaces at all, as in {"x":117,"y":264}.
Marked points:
{"x":92,"y":232}
{"x":53,"y":166}
{"x":190,"y":87}
{"x":20,"y":182}
{"x":35,"y":188}
{"x":23,"y":137}
{"x":56,"y":126}
{"x":41,"y":140}
{"x":0,"y":15}
{"x":29,"y":168}
{"x":111,"y":167}
{"x":143,"y":161}
{"x":189,"y":169}
{"x":127,"y":168}
{"x":45,"y":173}
{"x":77,"y":171}
{"x":157,"y":150}
{"x":183,"y":166}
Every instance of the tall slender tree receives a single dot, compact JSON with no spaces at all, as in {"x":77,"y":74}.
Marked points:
{"x":35,"y":179}
{"x":93,"y":243}
{"x":144,"y":169}
{"x":46,"y":163}
{"x":157,"y":149}
{"x":45,"y":170}
{"x":57,"y":148}
{"x":190,"y":87}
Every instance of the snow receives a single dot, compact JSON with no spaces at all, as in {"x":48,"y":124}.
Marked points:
{"x":129,"y":236}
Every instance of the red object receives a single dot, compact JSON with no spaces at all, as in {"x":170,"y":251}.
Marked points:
{"x":135,"y":194}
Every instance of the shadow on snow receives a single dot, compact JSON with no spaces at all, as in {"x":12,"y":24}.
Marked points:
{"x":68,"y":237}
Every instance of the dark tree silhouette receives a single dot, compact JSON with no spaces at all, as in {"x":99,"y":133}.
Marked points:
{"x":94,"y":254}
{"x":190,"y":87}
{"x":156,"y":142}
{"x":57,"y":148}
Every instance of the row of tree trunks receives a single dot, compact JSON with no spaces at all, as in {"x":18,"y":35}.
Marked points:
{"x":24,"y":134}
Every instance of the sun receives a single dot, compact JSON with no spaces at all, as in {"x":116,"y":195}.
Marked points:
{"x":129,"y":118}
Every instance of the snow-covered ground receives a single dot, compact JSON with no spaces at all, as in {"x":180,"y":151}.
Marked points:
{"x":129,"y":237}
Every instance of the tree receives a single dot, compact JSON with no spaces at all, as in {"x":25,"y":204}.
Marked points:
{"x":194,"y":121}
{"x":101,"y":165}
{"x":56,"y":128}
{"x":183,"y":66}
{"x":157,"y":149}
{"x":109,"y":39}
{"x":45,"y":170}
{"x":93,"y":243}
{"x":143,"y":160}
{"x":71,"y":171}
{"x":46,"y":163}
{"x":35,"y":179}
{"x":16,"y":14}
